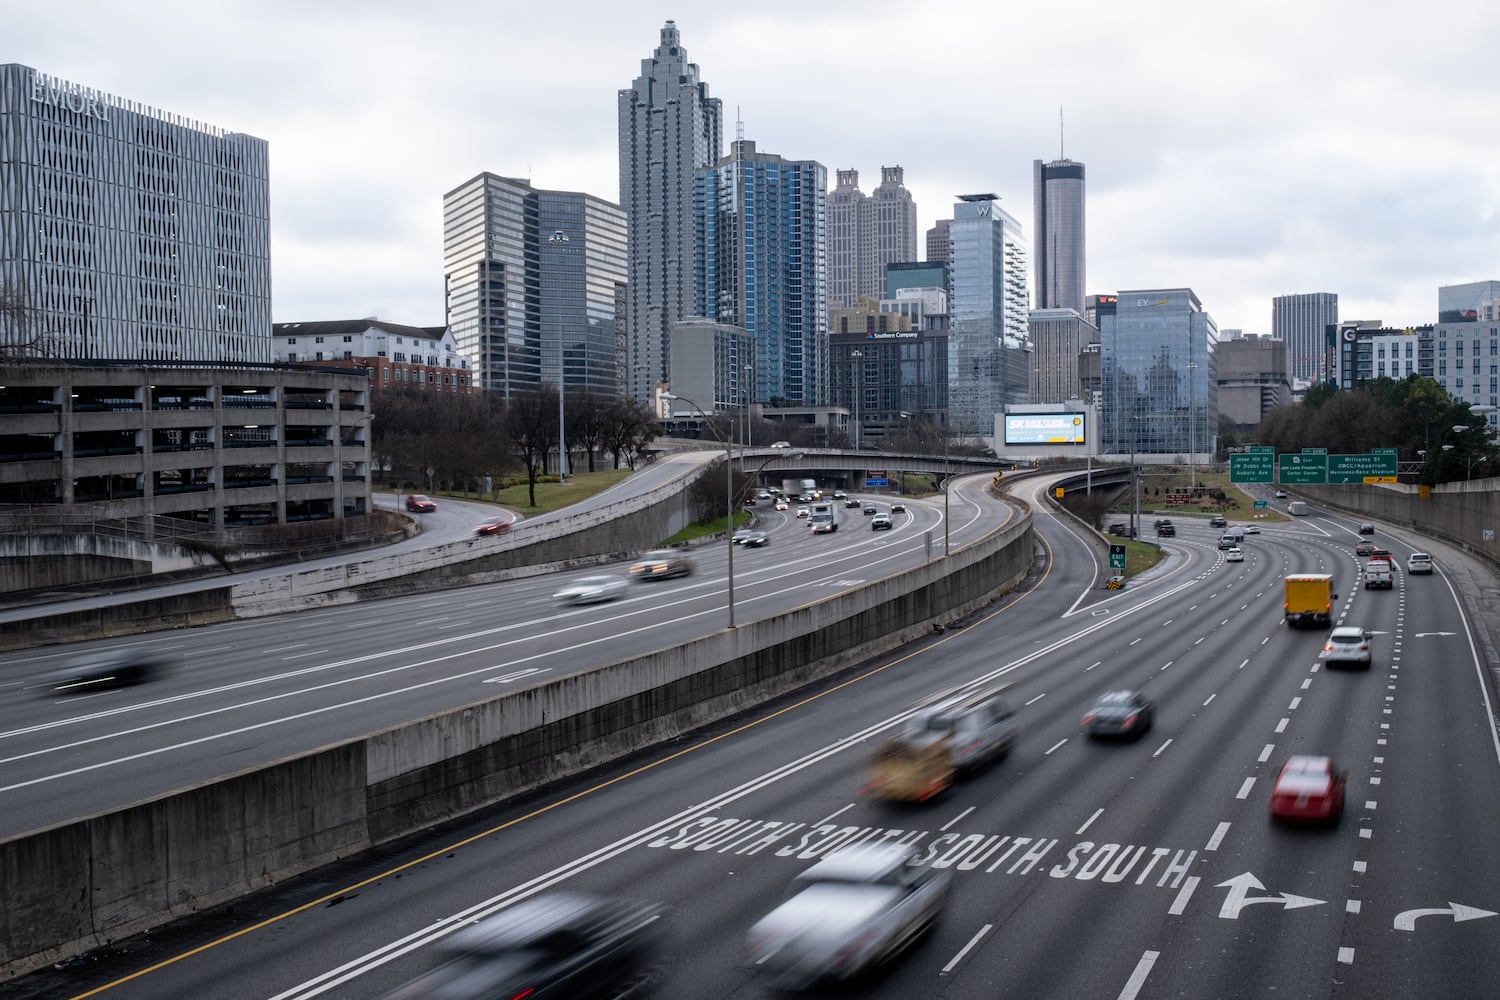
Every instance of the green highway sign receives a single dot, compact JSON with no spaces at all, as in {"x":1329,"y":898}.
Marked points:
{"x":1302,"y":470}
{"x":1117,"y":557}
{"x":1382,"y":451}
{"x":1262,"y":449}
{"x":1356,"y":468}
{"x":1253,"y":468}
{"x":1260,"y":504}
{"x":1314,"y":451}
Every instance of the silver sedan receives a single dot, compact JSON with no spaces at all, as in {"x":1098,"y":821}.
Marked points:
{"x":592,"y":590}
{"x":850,"y":913}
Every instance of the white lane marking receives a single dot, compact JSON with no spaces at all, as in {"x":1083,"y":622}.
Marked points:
{"x":1295,"y":702}
{"x":831,"y":816}
{"x":1266,"y":751}
{"x":1200,"y":639}
{"x":1183,"y":895}
{"x":1351,"y":906}
{"x":1037,"y":698}
{"x":1242,"y":664}
{"x":1161,"y":748}
{"x":965,"y":949}
{"x":431,"y":621}
{"x":1166,"y":665}
{"x":1055,"y":746}
{"x":1218,"y":837}
{"x":1244,"y":791}
{"x":1380,"y":742}
{"x":1091,"y":666}
{"x":1366,"y":834}
{"x":955,"y":819}
{"x":1089,"y":822}
{"x":283,"y":649}
{"x":516,"y":675}
{"x":458,"y":624}
{"x":1346,"y":956}
{"x":298,"y":656}
{"x":1281,"y":726}
{"x":1378,"y":760}
{"x":1138,"y":977}
{"x":1134,"y":641}
{"x":1210,"y":698}
{"x":1314,"y":668}
{"x":1306,"y":683}
{"x":1374,"y":781}
{"x":1360,"y":867}
{"x":1369,"y":803}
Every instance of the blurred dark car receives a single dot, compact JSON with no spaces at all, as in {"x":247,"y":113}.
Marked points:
{"x":492,"y":528}
{"x":752,"y":539}
{"x":561,"y":946}
{"x":662,"y":564}
{"x":418,"y":504}
{"x":1367,"y":528}
{"x":850,"y":913}
{"x":853,"y":502}
{"x":104,"y":669}
{"x":1218,"y":521}
{"x":1120,"y":713}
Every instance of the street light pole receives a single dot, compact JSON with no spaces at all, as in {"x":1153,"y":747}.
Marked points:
{"x":858,"y":358}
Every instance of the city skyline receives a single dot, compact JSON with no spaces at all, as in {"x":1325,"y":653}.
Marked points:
{"x":1375,"y":187}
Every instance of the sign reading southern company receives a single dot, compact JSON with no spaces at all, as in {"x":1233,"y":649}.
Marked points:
{"x":1252,"y":468}
{"x":1044,"y":428}
{"x":59,"y":93}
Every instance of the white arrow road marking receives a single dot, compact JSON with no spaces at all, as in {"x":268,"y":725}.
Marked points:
{"x":1407,"y":921}
{"x":1240,"y":886}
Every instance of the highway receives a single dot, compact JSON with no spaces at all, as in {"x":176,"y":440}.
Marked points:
{"x":243,"y":694}
{"x":1081,"y":869}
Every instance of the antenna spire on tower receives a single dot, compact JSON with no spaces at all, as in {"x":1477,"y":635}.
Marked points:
{"x":1061,"y":149}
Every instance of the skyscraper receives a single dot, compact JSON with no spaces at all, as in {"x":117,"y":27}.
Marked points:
{"x":1160,"y":379}
{"x":669,"y":128}
{"x":1303,"y":322}
{"x":1058,"y":239}
{"x":532,"y":282}
{"x":988,"y":363}
{"x":939,"y":242}
{"x":128,"y":233}
{"x":865,"y":233}
{"x":762,"y":264}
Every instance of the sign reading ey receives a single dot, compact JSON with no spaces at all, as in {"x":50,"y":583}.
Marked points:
{"x":1045,"y":428}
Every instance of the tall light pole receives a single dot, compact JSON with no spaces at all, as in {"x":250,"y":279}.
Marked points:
{"x":1192,"y":417}
{"x":858,"y":358}
{"x":559,"y":241}
{"x":745,"y":398}
{"x":728,"y":489}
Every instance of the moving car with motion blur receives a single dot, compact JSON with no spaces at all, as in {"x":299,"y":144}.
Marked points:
{"x":1120,"y":713}
{"x":1383,"y":554}
{"x":1235,"y":554}
{"x":1309,"y":789}
{"x":881,"y":522}
{"x":419,"y":504}
{"x":1364,"y":547}
{"x":898,"y":508}
{"x":1419,"y":563}
{"x":956,"y":731}
{"x":492,"y":528}
{"x":1347,"y":644}
{"x":105,"y":668}
{"x":561,"y":946}
{"x":850,"y":913}
{"x":662,"y":564}
{"x":752,"y":539}
{"x":1366,"y":528}
{"x":592,"y":590}
{"x":853,"y":502}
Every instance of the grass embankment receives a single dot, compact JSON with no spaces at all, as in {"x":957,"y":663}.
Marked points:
{"x":1237,"y":505}
{"x":550,"y":494}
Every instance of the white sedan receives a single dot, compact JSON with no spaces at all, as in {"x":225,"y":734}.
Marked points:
{"x":1235,"y":554}
{"x":803,"y":511}
{"x":592,"y":590}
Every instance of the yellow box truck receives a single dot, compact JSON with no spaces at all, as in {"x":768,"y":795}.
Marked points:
{"x":1309,"y":599}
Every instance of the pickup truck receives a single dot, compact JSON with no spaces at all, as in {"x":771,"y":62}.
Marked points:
{"x":950,"y":733}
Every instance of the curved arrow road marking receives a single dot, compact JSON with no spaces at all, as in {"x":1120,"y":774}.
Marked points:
{"x":1407,"y":920}
{"x":1240,"y":886}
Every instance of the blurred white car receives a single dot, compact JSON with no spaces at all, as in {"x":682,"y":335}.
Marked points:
{"x":592,"y":590}
{"x":1419,"y":562}
{"x":849,"y":913}
{"x":1234,"y":555}
{"x":803,"y":511}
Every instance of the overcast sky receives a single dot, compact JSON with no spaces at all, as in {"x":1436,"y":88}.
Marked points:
{"x":1344,"y":146}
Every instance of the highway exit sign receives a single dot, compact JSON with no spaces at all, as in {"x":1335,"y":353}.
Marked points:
{"x":1251,"y":468}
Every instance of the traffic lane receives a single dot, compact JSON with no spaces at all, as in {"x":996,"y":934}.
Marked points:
{"x":1438,"y":766}
{"x":338,"y":694}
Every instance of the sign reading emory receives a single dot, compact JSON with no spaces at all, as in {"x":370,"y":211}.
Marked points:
{"x":58,"y":93}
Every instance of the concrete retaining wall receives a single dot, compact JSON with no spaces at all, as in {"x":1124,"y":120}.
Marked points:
{"x":1458,"y":513}
{"x":79,"y":885}
{"x":198,"y":607}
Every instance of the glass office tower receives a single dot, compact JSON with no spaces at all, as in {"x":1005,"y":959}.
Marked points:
{"x":1058,"y":251}
{"x":1303,"y":321}
{"x":988,"y":353}
{"x":127,"y":232}
{"x":1159,"y":375}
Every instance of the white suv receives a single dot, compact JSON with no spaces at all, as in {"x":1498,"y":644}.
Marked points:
{"x":1419,"y":562}
{"x":1347,"y":644}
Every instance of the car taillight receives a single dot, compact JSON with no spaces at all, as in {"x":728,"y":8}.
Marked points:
{"x":524,"y":993}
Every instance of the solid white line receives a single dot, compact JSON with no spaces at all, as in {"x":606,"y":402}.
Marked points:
{"x":1346,"y":956}
{"x":1055,"y":746}
{"x":1183,"y":895}
{"x":1161,"y":748}
{"x":955,"y":819}
{"x":1089,"y":822}
{"x":1218,"y":837}
{"x":1138,"y":977}
{"x":1244,"y":791}
{"x":1210,"y":698}
{"x":965,"y":949}
{"x":1266,"y":752}
{"x":1037,"y":698}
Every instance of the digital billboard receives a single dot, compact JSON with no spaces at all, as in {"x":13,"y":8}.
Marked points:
{"x":1045,"y":428}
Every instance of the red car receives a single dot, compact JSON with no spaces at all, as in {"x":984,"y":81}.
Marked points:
{"x":1308,"y":788}
{"x":492,"y":528}
{"x":1383,"y":554}
{"x":418,"y":504}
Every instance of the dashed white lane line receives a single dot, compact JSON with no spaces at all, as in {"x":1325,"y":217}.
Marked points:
{"x":1366,"y":834}
{"x":1244,"y":791}
{"x":1369,"y":803}
{"x":283,"y":649}
{"x":955,"y":819}
{"x":1295,"y":702}
{"x":1306,"y":683}
{"x":1138,"y":977}
{"x":1374,"y":781}
{"x":1037,"y":698}
{"x":1351,"y":906}
{"x":1054,"y":746}
{"x":1218,"y":837}
{"x":1183,"y":895}
{"x":1281,"y":726}
{"x":1266,"y":751}
{"x":1161,"y":748}
{"x":1378,"y":760}
{"x":965,"y":949}
{"x":1242,"y":665}
{"x":1134,"y":641}
{"x":1091,"y":666}
{"x":1089,"y":822}
{"x":298,"y":656}
{"x":1346,"y":956}
{"x":1360,"y":867}
{"x":1210,"y":698}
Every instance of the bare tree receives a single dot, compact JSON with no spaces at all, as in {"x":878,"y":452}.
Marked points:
{"x":531,"y":425}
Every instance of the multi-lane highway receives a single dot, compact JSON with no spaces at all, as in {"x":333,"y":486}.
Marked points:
{"x":1081,"y":869}
{"x":244,"y":694}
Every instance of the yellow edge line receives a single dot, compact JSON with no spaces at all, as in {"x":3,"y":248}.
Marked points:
{"x":559,"y":803}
